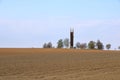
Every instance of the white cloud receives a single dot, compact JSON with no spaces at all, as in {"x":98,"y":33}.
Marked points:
{"x":96,"y":23}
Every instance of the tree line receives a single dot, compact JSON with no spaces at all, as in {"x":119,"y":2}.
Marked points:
{"x":65,"y":43}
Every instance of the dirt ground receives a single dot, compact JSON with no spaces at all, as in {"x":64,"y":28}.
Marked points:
{"x":59,"y":64}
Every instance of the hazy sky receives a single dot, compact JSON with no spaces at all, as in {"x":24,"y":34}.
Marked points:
{"x":30,"y":23}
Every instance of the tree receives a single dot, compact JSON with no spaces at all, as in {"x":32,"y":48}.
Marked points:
{"x":44,"y":45}
{"x":108,"y":46}
{"x":83,"y":46}
{"x":118,"y":47}
{"x":99,"y":45}
{"x":77,"y":45}
{"x":60,"y":43}
{"x":66,"y":42}
{"x":49,"y":45}
{"x":91,"y":45}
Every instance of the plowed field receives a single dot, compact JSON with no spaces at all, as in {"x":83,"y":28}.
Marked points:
{"x":59,"y":64}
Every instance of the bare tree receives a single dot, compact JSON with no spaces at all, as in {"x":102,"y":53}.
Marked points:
{"x":83,"y":46}
{"x":66,"y":42}
{"x":78,"y":45}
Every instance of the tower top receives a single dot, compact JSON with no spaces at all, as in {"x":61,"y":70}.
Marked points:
{"x":71,"y":29}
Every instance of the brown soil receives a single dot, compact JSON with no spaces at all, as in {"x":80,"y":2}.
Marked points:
{"x":59,"y":64}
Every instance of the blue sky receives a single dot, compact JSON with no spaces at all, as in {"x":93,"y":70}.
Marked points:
{"x":30,"y":23}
